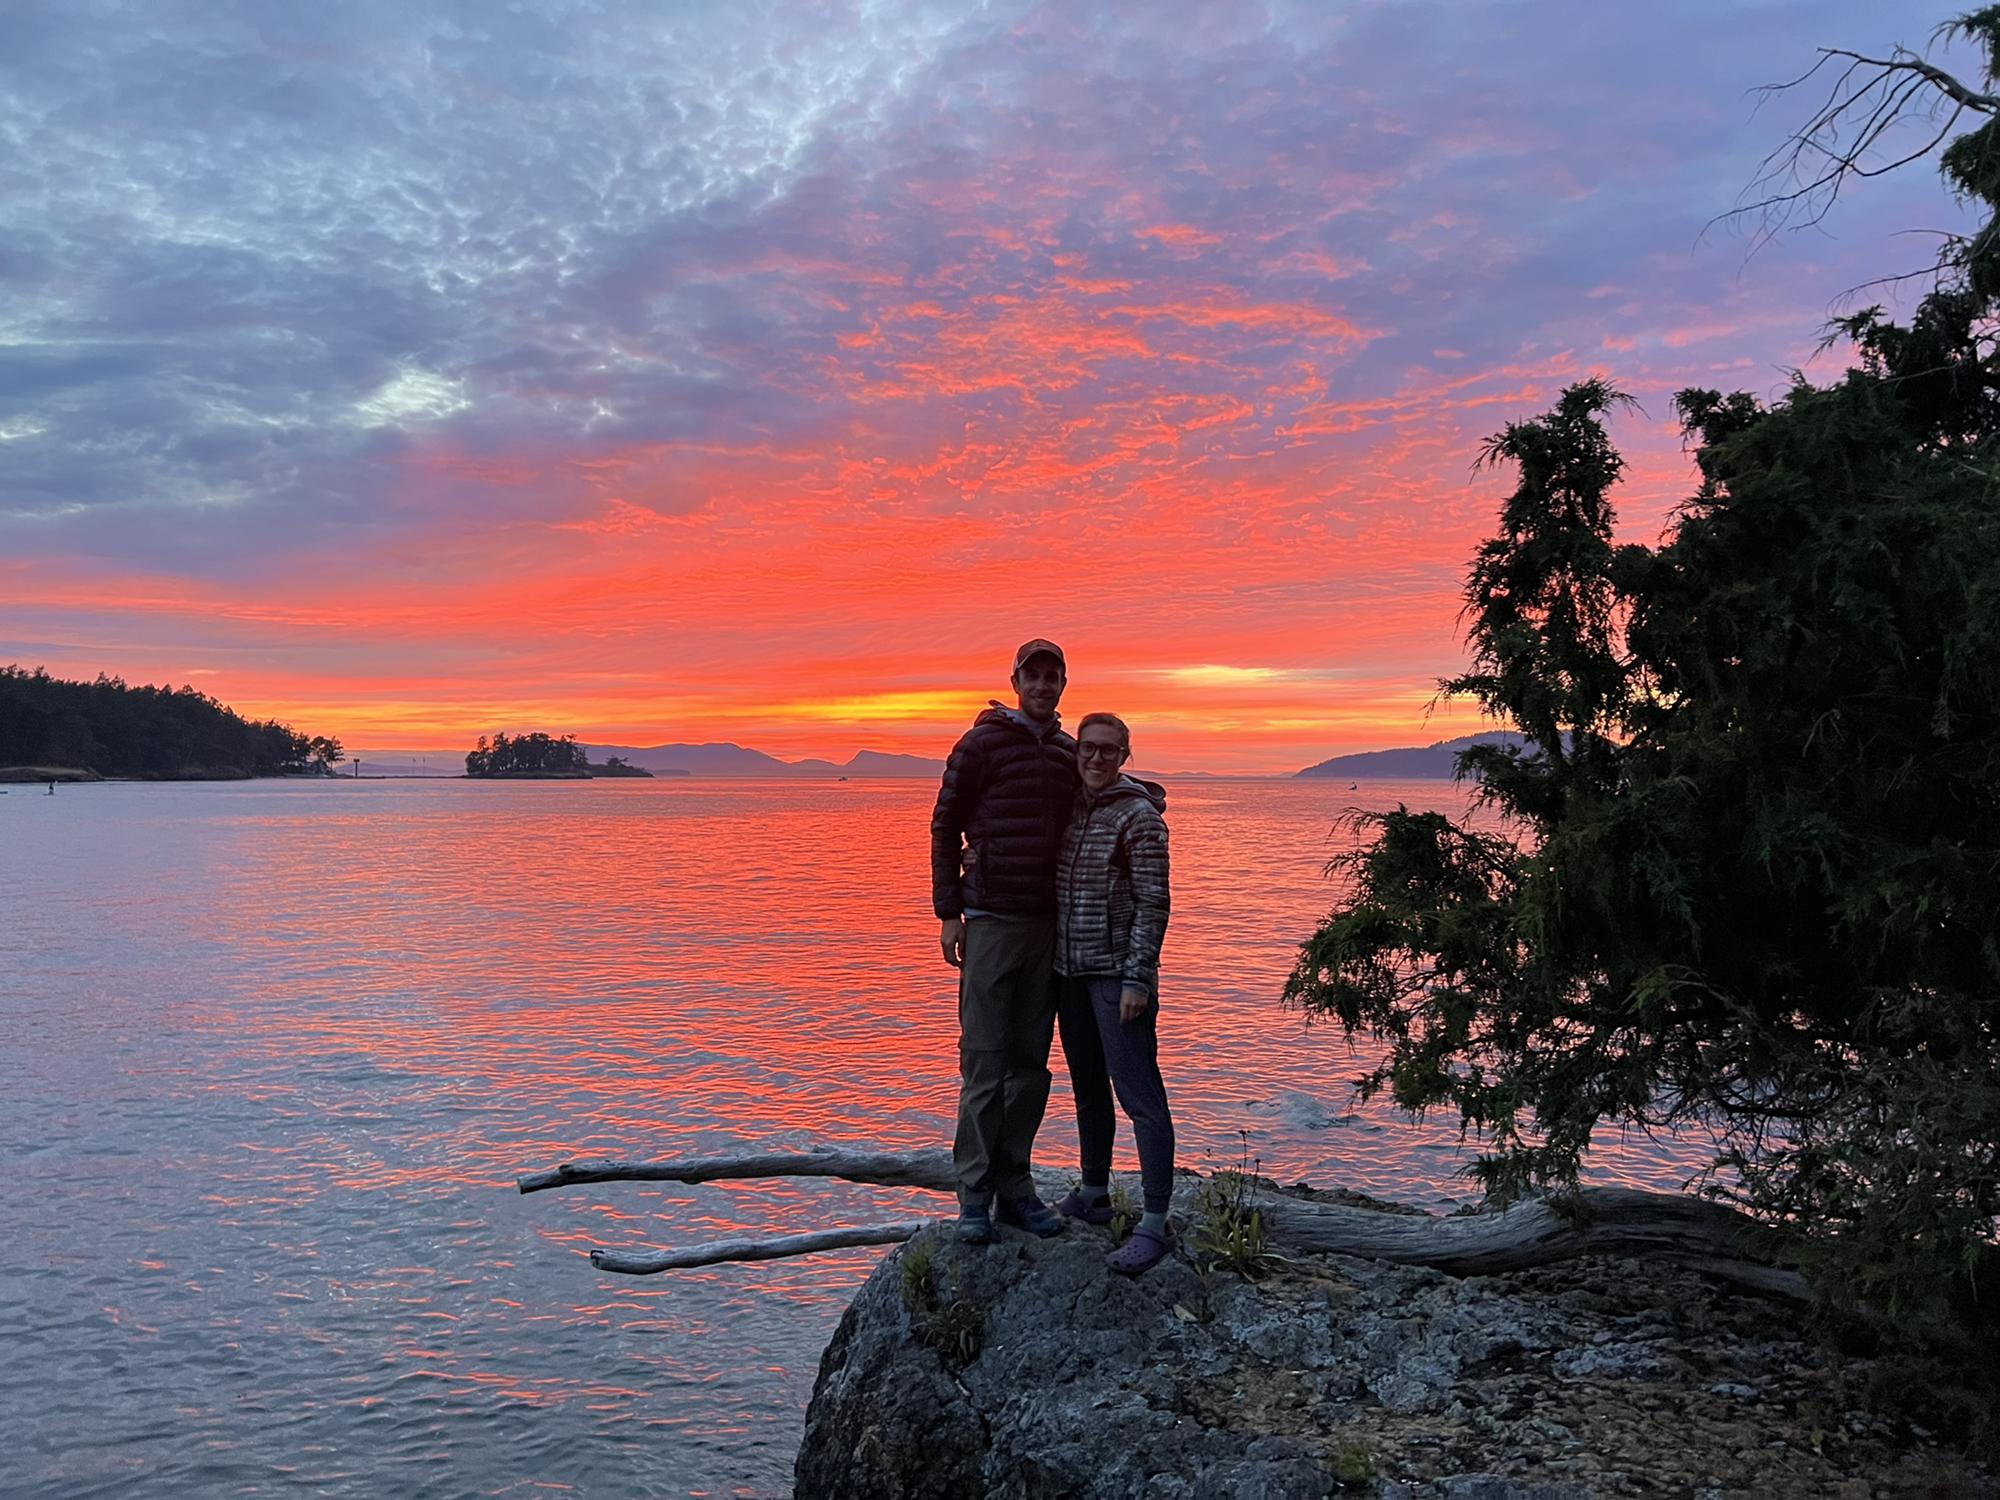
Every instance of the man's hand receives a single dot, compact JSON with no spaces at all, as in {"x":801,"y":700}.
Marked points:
{"x":1133,"y":1002}
{"x":952,"y":940}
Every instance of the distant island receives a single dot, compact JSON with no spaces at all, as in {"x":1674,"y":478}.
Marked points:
{"x":735,"y":760}
{"x":616,"y":766}
{"x":675,"y":760}
{"x":1415,"y":763}
{"x":53,"y":729}
{"x":542,"y":757}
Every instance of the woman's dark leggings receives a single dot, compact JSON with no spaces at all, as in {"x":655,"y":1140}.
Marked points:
{"x":1105,"y":1053}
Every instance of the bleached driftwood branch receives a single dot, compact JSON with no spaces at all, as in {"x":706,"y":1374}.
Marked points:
{"x":1598,"y":1221}
{"x":917,"y":1169}
{"x":646,"y":1262}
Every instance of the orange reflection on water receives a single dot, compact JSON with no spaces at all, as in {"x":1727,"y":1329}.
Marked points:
{"x":550,"y":971}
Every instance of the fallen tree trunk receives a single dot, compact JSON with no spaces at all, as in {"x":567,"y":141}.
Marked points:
{"x":1537,"y":1232}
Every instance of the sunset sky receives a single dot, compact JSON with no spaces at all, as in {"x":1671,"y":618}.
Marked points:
{"x":767,"y":372}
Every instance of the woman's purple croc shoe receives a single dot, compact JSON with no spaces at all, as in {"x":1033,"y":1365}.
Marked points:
{"x":1141,"y":1253}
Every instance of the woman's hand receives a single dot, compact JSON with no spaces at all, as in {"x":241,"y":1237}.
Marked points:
{"x":1133,"y":1002}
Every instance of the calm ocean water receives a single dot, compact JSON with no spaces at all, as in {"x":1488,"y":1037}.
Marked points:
{"x":276,"y":1052}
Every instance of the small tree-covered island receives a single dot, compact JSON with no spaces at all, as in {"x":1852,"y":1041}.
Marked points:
{"x":541,"y":757}
{"x":52,"y":729}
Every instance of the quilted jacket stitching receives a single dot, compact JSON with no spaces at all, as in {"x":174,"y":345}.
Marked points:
{"x":997,"y":829}
{"x":1112,"y":889}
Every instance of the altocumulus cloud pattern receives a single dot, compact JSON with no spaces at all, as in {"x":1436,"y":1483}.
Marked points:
{"x":764,"y":372}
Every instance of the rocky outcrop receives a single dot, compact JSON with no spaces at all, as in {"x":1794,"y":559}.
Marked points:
{"x":24,"y":775}
{"x":1022,"y":1369}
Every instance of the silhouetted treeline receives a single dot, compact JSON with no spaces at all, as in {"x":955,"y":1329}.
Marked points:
{"x":527,"y":755}
{"x":114,"y":729}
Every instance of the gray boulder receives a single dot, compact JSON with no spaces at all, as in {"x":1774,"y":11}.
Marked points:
{"x":1024,"y":1369}
{"x":1082,"y":1384}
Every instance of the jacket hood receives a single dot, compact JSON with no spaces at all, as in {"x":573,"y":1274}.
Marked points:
{"x":997,"y":712}
{"x":1134,"y":786}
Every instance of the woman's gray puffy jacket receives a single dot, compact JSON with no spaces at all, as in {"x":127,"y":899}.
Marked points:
{"x":1111,"y":886}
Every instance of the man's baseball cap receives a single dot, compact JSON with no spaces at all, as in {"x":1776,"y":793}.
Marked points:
{"x":1039,"y":647}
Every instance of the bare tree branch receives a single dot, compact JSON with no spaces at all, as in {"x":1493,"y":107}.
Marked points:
{"x":1970,"y":98}
{"x":1869,"y":99}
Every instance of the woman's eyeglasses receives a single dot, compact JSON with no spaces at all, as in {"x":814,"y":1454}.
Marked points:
{"x":1088,"y":751}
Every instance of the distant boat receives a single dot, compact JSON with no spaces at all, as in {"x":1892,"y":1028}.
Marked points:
{"x":843,"y":778}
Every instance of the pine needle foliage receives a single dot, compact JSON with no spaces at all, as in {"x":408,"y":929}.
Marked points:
{"x":1750,"y":877}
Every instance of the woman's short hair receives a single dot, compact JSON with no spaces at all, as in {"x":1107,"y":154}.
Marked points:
{"x":1124,"y":734}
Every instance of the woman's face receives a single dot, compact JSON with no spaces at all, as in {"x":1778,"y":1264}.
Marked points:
{"x":1099,"y":755}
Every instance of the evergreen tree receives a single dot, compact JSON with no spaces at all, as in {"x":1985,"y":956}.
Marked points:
{"x":1755,"y":841}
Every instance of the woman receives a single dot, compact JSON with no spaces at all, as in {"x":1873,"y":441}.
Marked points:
{"x":1111,"y":915}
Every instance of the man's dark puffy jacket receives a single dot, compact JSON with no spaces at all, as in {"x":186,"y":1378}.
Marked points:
{"x":998,"y":828}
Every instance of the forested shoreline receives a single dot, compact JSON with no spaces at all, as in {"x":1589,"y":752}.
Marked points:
{"x":151,"y":733}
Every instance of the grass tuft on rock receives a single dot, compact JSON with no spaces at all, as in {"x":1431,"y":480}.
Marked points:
{"x":953,"y":1327}
{"x":1227,"y":1232}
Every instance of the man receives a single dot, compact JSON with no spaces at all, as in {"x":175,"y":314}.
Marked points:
{"x":995,"y":838}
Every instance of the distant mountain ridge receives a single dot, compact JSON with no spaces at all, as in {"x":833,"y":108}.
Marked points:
{"x":728,"y":759}
{"x":1413,"y":763}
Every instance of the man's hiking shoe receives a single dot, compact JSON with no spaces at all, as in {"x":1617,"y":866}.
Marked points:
{"x":1141,"y":1253}
{"x":1086,"y":1209}
{"x":1031,"y":1214}
{"x":974,"y":1226}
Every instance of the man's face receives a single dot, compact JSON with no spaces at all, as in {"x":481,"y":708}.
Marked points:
{"x":1040,"y":682}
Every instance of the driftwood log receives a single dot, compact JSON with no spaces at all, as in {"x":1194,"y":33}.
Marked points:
{"x":646,"y":1262}
{"x":1537,"y":1232}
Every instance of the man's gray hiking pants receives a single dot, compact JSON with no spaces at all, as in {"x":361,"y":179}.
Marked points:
{"x":1006,"y":1020}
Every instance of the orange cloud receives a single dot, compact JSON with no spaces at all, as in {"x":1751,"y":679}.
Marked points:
{"x":1180,"y":235}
